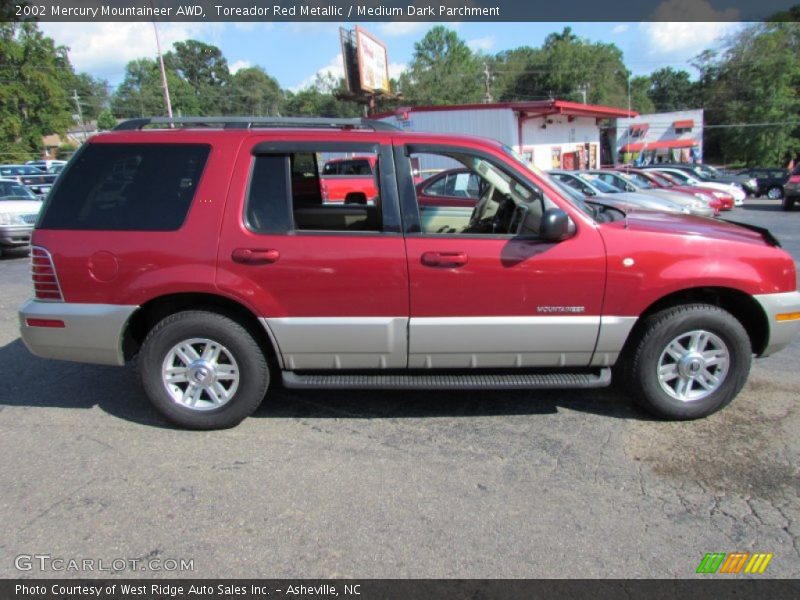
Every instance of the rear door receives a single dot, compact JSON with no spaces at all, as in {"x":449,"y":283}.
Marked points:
{"x":329,"y":281}
{"x":484,"y":295}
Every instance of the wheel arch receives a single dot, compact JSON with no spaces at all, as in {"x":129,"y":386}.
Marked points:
{"x":156,"y":309}
{"x":740,"y":304}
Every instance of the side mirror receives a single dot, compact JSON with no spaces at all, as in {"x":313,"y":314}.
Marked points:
{"x":556,"y":225}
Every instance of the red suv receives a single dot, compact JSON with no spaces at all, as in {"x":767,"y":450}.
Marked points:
{"x":210,"y":254}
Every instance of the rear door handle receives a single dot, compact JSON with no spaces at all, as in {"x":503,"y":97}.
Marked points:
{"x":255,"y":256}
{"x":444,"y":259}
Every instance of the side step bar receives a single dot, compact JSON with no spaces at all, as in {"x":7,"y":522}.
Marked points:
{"x":520,"y":381}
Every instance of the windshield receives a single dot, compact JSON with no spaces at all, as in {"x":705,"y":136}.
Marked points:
{"x":15,"y":191}
{"x":662,"y":180}
{"x":601,"y":185}
{"x":571,"y":195}
{"x":640,"y":180}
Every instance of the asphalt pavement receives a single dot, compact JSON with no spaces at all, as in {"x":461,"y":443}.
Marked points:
{"x":391,"y":484}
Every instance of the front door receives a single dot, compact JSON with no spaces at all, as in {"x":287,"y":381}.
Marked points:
{"x":486,"y":291}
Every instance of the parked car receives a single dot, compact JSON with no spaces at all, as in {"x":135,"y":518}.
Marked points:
{"x":656,"y":180}
{"x":685,"y":178}
{"x":593,"y":187}
{"x":19,"y":209}
{"x":452,"y":187}
{"x":47,"y":165}
{"x":349,"y":180}
{"x":701,"y":205}
{"x":708,"y":174}
{"x":37,"y":180}
{"x":791,"y":190}
{"x":769,"y":181}
{"x":219,"y":265}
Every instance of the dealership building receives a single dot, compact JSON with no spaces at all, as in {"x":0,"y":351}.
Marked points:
{"x":660,"y":137}
{"x":547,"y":133}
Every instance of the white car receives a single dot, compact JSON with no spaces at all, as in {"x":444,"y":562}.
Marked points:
{"x":734,"y":190}
{"x":19,"y":210}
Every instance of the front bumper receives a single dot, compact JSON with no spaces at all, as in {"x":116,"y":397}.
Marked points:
{"x":15,"y":235}
{"x":91,"y":333}
{"x":781,"y":332}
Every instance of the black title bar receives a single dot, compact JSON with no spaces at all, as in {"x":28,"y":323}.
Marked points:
{"x":350,"y":11}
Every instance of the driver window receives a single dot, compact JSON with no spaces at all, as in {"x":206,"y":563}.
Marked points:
{"x":463,"y":193}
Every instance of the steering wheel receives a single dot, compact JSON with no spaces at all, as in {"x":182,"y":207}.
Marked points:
{"x":504,"y":214}
{"x":480,"y":209}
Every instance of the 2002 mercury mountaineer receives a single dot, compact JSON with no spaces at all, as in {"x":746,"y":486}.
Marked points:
{"x":209,"y":252}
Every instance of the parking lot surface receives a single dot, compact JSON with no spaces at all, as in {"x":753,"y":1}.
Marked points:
{"x":394,"y":484}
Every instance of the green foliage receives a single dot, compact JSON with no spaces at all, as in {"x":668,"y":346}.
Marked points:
{"x":205,"y":70}
{"x":253,"y":92}
{"x":754,"y":80}
{"x":65,"y":151}
{"x":318,"y":100}
{"x":33,"y":96}
{"x":672,"y":90}
{"x":106,"y":120}
{"x":561,"y":68}
{"x":93,"y":94}
{"x":443,"y":71}
{"x":141,"y":95}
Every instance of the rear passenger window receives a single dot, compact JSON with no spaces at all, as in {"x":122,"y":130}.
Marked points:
{"x":127,"y":187}
{"x":314,"y":191}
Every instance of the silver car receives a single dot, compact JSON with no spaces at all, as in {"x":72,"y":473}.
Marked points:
{"x":594,"y":188}
{"x":698,"y":204}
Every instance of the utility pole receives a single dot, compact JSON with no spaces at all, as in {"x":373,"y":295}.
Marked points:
{"x":164,"y":85}
{"x":583,"y":89}
{"x":487,"y":75}
{"x":77,"y":100}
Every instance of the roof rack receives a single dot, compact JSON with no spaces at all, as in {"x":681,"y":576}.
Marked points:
{"x":252,"y":122}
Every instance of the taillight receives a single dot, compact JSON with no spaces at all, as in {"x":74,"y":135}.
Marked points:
{"x":43,"y":273}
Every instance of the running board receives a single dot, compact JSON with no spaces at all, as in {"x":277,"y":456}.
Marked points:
{"x":511,"y":381}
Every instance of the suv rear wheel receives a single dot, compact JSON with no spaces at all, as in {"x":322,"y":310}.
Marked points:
{"x":689,"y":361}
{"x":203,"y":370}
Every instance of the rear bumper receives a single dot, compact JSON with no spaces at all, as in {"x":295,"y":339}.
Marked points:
{"x":92,"y":333}
{"x":15,"y":235}
{"x":781,"y":333}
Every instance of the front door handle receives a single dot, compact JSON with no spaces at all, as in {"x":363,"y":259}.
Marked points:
{"x":444,"y":259}
{"x":255,"y":256}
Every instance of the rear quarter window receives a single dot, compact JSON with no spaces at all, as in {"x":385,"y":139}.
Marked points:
{"x":127,"y":187}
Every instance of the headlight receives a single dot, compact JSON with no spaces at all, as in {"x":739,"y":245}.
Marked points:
{"x":11,"y":219}
{"x":753,"y":183}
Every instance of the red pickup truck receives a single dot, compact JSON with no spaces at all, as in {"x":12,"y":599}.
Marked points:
{"x":210,"y":254}
{"x":349,"y":180}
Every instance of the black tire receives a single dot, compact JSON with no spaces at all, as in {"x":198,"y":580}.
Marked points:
{"x":788,"y":203}
{"x":238,"y":343}
{"x":641,"y":365}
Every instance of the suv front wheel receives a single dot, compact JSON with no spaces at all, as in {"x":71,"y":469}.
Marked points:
{"x":203,"y":370}
{"x":688,"y":361}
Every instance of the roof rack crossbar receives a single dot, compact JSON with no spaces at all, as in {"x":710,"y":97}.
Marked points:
{"x":253,"y":122}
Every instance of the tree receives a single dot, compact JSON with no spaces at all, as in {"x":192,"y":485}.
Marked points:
{"x":33,"y":96}
{"x":318,"y":100}
{"x":564,"y":67}
{"x":672,"y":90}
{"x":106,"y":120}
{"x":205,"y":69}
{"x":140,"y":94}
{"x":443,"y":71}
{"x":750,"y":91}
{"x":253,"y":92}
{"x":640,"y":98}
{"x":93,"y":94}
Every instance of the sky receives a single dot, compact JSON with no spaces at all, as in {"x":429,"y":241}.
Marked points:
{"x":294,"y":53}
